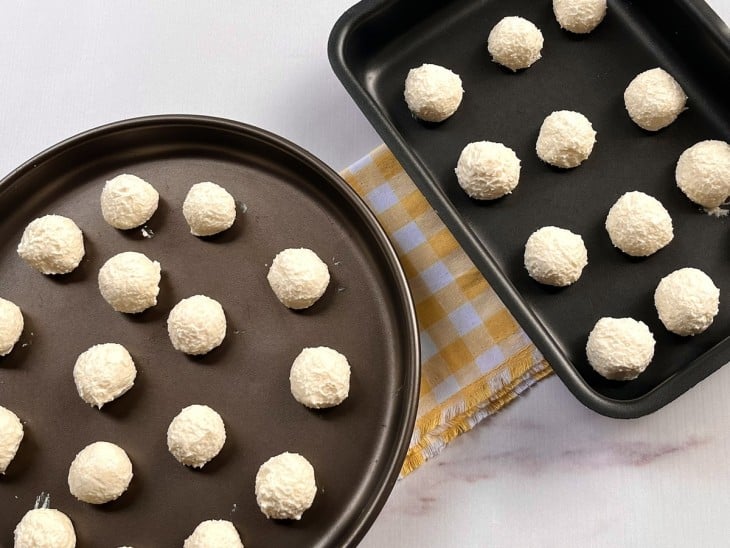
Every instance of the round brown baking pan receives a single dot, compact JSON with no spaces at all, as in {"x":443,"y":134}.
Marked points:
{"x":286,"y":198}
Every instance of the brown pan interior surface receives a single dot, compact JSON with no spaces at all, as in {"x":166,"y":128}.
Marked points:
{"x":291,"y":200}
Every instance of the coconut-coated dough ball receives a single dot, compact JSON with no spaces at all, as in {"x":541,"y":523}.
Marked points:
{"x":687,"y":301}
{"x":639,"y":225}
{"x":515,"y":43}
{"x":103,"y":373}
{"x":703,"y":173}
{"x":45,"y":528}
{"x":298,"y":277}
{"x":11,"y":325}
{"x":566,"y":139}
{"x":11,"y":434}
{"x":196,"y":435}
{"x":620,"y":349}
{"x":196,"y":325}
{"x":433,"y":93}
{"x":320,"y":377}
{"x":555,"y":256}
{"x":654,"y":99}
{"x":285,"y":486}
{"x":209,"y":209}
{"x":52,"y":244}
{"x":487,"y":171}
{"x":130,"y":282}
{"x":127,"y":201}
{"x":579,"y":16}
{"x":214,"y":533}
{"x":100,"y":473}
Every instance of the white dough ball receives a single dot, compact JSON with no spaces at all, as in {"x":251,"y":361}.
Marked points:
{"x":555,"y":256}
{"x":687,"y":301}
{"x":579,"y":16}
{"x":433,"y":93}
{"x":703,"y":173}
{"x":487,"y":170}
{"x":566,"y":139}
{"x":128,"y":201}
{"x":320,"y":377}
{"x":298,"y":277}
{"x":639,"y":225}
{"x":620,"y":348}
{"x":196,"y":325}
{"x":103,"y":373}
{"x":52,"y":245}
{"x":11,"y":325}
{"x":285,"y":486}
{"x":515,"y":43}
{"x":45,"y":528}
{"x":196,"y":435}
{"x":654,"y":99}
{"x":214,"y":533}
{"x":130,"y":282}
{"x":209,"y":209}
{"x":11,"y":434}
{"x":100,"y":473}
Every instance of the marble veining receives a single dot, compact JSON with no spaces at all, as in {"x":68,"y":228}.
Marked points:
{"x":548,"y":472}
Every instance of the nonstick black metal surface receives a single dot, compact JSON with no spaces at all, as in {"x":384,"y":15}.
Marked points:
{"x":291,"y":200}
{"x":374,"y":45}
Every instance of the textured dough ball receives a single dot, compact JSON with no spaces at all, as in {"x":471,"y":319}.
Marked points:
{"x":298,"y":277}
{"x":285,"y":486}
{"x":196,"y":325}
{"x":214,"y":533}
{"x":103,"y":373}
{"x":639,"y":225}
{"x":654,"y":99}
{"x":45,"y":528}
{"x":579,"y":16}
{"x":100,"y":473}
{"x":687,"y":301}
{"x":620,"y":349}
{"x":566,"y":139}
{"x":515,"y":43}
{"x":555,"y":256}
{"x":128,"y":201}
{"x":209,"y":209}
{"x":11,"y":325}
{"x":320,"y":377}
{"x":130,"y":282}
{"x":487,"y":170}
{"x":703,"y":173}
{"x":11,"y":434}
{"x":52,"y":245}
{"x":196,"y":435}
{"x":433,"y":93}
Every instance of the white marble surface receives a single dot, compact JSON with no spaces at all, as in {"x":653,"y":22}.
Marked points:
{"x":546,"y":471}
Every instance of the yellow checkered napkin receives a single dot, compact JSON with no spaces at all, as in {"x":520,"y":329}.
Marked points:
{"x":475,"y":359}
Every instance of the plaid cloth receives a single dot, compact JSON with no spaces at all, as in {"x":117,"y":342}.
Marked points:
{"x":475,"y":359}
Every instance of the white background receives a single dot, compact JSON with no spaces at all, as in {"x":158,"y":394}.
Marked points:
{"x":545,"y":472}
{"x":69,"y":66}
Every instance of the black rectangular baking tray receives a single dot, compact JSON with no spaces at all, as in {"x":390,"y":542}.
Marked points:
{"x":375,"y":43}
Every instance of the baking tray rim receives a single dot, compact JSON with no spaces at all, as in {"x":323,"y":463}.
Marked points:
{"x":391,"y":471}
{"x":703,"y":366}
